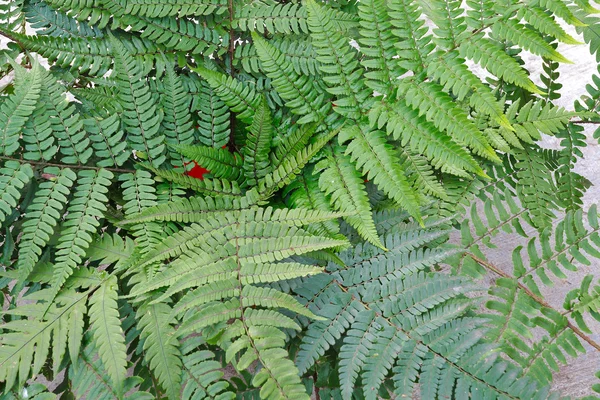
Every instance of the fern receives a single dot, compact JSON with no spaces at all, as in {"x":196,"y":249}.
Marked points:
{"x":279,"y":200}
{"x":43,"y":215}
{"x":15,"y":110}
{"x":14,"y":177}
{"x":81,"y":223}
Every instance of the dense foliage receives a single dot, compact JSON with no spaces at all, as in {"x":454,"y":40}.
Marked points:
{"x":261,"y":199}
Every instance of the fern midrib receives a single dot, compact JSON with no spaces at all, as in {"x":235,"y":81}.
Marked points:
{"x":243,"y":320}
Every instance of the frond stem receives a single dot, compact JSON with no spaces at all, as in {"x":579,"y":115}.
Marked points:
{"x":47,"y":164}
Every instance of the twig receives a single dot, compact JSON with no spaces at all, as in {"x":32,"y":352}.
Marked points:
{"x":535,"y":297}
{"x":580,"y":121}
{"x":47,"y":164}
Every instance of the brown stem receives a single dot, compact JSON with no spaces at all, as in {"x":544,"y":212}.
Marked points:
{"x":535,"y":297}
{"x":47,"y":164}
{"x":231,"y":50}
{"x":580,"y":121}
{"x":317,"y":394}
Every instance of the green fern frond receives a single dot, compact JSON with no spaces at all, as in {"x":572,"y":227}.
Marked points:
{"x":13,"y":178}
{"x":42,"y":216}
{"x":47,"y":21}
{"x":493,"y":58}
{"x":371,"y":153}
{"x":414,"y":44}
{"x":239,"y":97}
{"x":451,"y":71}
{"x":297,"y":50}
{"x":430,"y":100}
{"x":258,"y":145}
{"x":110,"y":249}
{"x":141,"y":116}
{"x":546,"y":24}
{"x":285,"y":18}
{"x":337,"y":62}
{"x":527,"y":39}
{"x":16,"y":109}
{"x":161,"y":348}
{"x":377,"y":43}
{"x":91,"y":376}
{"x":83,"y":214}
{"x":177,"y":122}
{"x":213,"y":118}
{"x":168,"y":8}
{"x":202,"y":375}
{"x":40,"y":143}
{"x":107,"y":333}
{"x":66,"y":123}
{"x":405,"y":125}
{"x":107,"y":140}
{"x":340,"y":180}
{"x":297,"y":90}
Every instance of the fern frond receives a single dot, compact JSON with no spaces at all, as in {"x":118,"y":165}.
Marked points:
{"x":139,"y":194}
{"x":13,"y":178}
{"x":405,"y":125}
{"x":161,"y":348}
{"x":81,"y":222}
{"x":239,"y":97}
{"x":297,"y":50}
{"x":377,"y":43}
{"x":213,"y":118}
{"x":536,"y":186}
{"x":300,"y":94}
{"x":66,"y":123}
{"x":202,"y":375}
{"x":430,"y":100}
{"x":454,"y":75}
{"x":90,"y":376}
{"x":414,"y":44}
{"x":107,"y":140}
{"x":337,"y":62}
{"x":105,"y":326}
{"x":17,"y":108}
{"x":47,"y":21}
{"x":290,"y":166}
{"x":340,"y":180}
{"x":258,"y":145}
{"x":493,"y":58}
{"x":285,"y":18}
{"x":527,"y":39}
{"x":141,"y":116}
{"x":546,"y":24}
{"x":177,"y":122}
{"x":110,"y":249}
{"x":372,"y":154}
{"x":40,"y":143}
{"x":42,"y":216}
{"x":168,"y":8}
